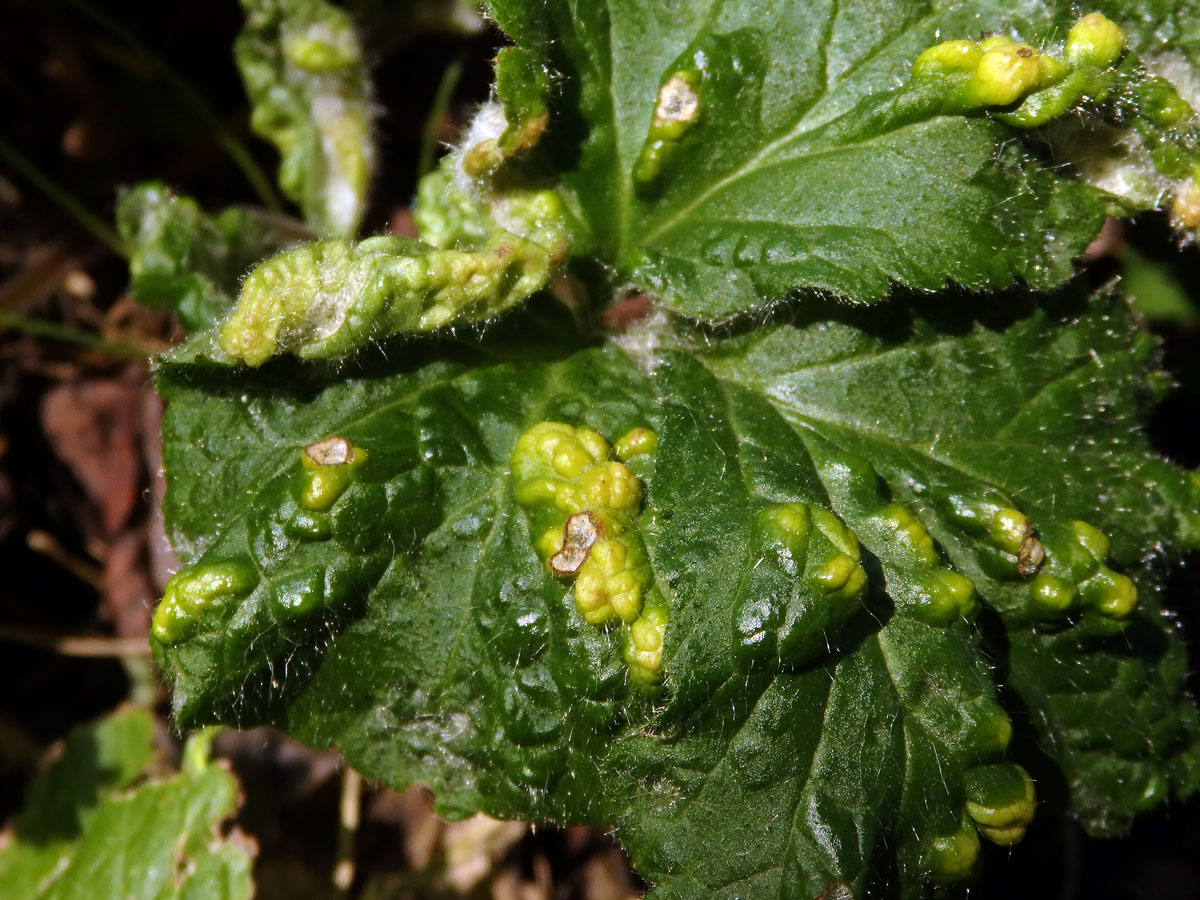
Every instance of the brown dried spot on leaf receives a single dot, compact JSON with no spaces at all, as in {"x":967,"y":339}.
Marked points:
{"x":1030,"y":556}
{"x":332,"y":451}
{"x":579,"y":533}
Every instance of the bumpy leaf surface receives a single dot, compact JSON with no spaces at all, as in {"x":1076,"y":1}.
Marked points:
{"x":86,"y":831}
{"x":402,"y":611}
{"x":720,"y":158}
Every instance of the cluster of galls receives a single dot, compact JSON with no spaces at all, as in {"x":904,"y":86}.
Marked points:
{"x":1025,"y":87}
{"x":808,"y":582}
{"x":1000,"y":803}
{"x":315,"y":541}
{"x":999,"y":71}
{"x":932,"y":592}
{"x":1063,"y":564}
{"x":207,"y":590}
{"x":582,"y":505}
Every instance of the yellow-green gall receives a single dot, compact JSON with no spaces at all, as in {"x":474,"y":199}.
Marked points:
{"x":1001,"y":800}
{"x":583,"y":505}
{"x":1092,"y":539}
{"x":910,"y":532}
{"x":637,"y":442}
{"x":195,"y":591}
{"x":644,"y":646}
{"x":330,"y":466}
{"x":952,"y":857}
{"x":1111,"y":594}
{"x":557,"y":466}
{"x":550,"y":543}
{"x":1095,"y":40}
{"x":1009,"y":529}
{"x":606,"y":486}
{"x":947,"y":58}
{"x":993,"y":729}
{"x":789,"y":524}
{"x":547,"y":446}
{"x":1005,"y":73}
{"x":947,"y":595}
{"x":996,"y":40}
{"x":842,"y":577}
{"x":317,"y":53}
{"x":676,"y":109}
{"x":1051,"y":70}
{"x":570,"y":459}
{"x":612,"y":580}
{"x":836,"y":531}
{"x":536,"y":492}
{"x":1051,"y":594}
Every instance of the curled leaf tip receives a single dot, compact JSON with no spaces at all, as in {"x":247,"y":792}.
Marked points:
{"x":328,"y":299}
{"x":304,"y":69}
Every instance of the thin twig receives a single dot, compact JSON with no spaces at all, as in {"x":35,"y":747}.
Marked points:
{"x":45,"y":543}
{"x":94,"y":646}
{"x":349,"y":811}
{"x":237,"y":151}
{"x":62,"y":198}
{"x":59,"y":332}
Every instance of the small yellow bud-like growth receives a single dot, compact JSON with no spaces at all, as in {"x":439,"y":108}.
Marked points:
{"x":1095,"y":40}
{"x":1004,"y":74}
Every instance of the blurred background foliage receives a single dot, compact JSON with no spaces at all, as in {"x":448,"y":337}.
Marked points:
{"x":100,"y":95}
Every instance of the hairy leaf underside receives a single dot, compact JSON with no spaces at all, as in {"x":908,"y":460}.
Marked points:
{"x":811,"y":603}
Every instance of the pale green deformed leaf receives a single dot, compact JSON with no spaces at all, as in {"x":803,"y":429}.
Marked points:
{"x":188,"y":262}
{"x":89,"y":829}
{"x":402,"y":609}
{"x":482,"y":252}
{"x":721,"y":159}
{"x":303,"y":67}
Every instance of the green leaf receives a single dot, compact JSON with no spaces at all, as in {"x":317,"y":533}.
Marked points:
{"x":86,"y":831}
{"x":721,"y":159}
{"x":521,"y":86}
{"x":1155,"y":289}
{"x":372,"y":557}
{"x":1058,"y":429}
{"x":479,"y":257}
{"x":190,"y":263}
{"x":304,"y":70}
